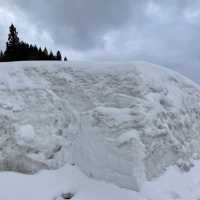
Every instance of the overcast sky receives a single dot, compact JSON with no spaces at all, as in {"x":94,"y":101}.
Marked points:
{"x":165,"y":32}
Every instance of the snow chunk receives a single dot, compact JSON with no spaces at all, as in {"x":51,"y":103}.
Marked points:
{"x":25,"y":135}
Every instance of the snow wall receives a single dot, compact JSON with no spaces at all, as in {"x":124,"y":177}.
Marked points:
{"x":119,"y":122}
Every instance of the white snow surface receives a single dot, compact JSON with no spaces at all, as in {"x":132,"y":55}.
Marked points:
{"x":123,"y":123}
{"x":52,"y":184}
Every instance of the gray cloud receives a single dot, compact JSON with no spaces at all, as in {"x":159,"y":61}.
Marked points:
{"x":163,"y":32}
{"x":79,"y":24}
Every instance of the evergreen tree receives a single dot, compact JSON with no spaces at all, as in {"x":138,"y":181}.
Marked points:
{"x":20,"y":50}
{"x":45,"y":54}
{"x":51,"y":56}
{"x":1,"y":56}
{"x":13,"y":39}
{"x":65,"y":59}
{"x":12,"y":44}
{"x":35,"y":53}
{"x":40,"y":54}
{"x":58,"y":56}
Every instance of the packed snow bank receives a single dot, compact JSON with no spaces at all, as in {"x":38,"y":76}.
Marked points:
{"x":119,"y":122}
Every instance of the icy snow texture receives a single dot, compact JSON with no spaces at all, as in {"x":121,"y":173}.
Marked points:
{"x":119,"y":122}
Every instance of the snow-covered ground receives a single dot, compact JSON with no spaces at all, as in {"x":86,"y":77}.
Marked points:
{"x":123,"y":123}
{"x":52,"y":184}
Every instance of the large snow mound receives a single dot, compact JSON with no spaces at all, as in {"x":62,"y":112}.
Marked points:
{"x":119,"y":122}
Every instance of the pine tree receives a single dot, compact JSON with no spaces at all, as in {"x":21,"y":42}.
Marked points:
{"x":1,"y":56}
{"x":65,"y":59}
{"x":45,"y":54}
{"x":1,"y":53}
{"x":51,"y":56}
{"x":13,"y":39}
{"x":17,"y":49}
{"x":58,"y":56}
{"x":40,"y":54}
{"x":12,"y":44}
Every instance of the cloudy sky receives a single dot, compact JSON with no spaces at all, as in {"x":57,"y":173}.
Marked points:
{"x":165,"y":32}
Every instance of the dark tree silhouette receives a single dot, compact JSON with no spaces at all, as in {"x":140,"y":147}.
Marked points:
{"x":58,"y":56}
{"x":17,"y":49}
{"x":51,"y":56}
{"x":13,"y":39}
{"x":45,"y":53}
{"x":40,"y":53}
{"x":1,"y":54}
{"x":11,"y":52}
{"x":65,"y":59}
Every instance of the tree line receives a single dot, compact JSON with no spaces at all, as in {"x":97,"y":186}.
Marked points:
{"x":17,"y":50}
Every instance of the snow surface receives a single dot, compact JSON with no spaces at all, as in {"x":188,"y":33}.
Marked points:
{"x":52,"y":184}
{"x":123,"y":123}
